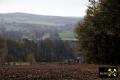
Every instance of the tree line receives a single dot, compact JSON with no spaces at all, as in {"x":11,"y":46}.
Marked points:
{"x":26,"y":50}
{"x":99,"y":32}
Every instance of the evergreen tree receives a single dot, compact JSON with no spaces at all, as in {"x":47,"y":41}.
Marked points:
{"x":99,"y":32}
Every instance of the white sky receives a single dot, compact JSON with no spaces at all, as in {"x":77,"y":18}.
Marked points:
{"x":45,"y":7}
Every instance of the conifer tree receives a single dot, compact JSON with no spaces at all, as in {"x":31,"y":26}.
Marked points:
{"x":99,"y":32}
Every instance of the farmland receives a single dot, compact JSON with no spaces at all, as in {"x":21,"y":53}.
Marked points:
{"x":48,"y":23}
{"x":51,"y":72}
{"x":67,"y":36}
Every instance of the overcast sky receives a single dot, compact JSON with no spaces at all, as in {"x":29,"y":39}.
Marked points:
{"x":45,"y":7}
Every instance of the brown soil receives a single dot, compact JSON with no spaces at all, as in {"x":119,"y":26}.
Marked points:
{"x":52,"y":72}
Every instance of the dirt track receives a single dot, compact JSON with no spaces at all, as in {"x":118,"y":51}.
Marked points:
{"x":51,"y":72}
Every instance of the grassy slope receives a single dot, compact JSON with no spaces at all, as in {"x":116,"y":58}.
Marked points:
{"x":47,"y":35}
{"x":40,"y":22}
{"x":67,"y":36}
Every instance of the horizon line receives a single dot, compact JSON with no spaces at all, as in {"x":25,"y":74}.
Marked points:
{"x":40,"y":14}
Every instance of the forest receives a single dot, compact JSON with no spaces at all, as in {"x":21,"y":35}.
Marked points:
{"x":99,"y":33}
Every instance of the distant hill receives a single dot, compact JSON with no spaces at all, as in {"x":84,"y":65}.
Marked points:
{"x":28,"y":18}
{"x":29,"y":23}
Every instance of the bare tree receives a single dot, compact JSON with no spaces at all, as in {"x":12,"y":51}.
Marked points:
{"x":31,"y":58}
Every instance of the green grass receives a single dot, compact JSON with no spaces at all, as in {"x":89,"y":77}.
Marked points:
{"x":40,"y":22}
{"x":67,"y":36}
{"x":47,"y":35}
